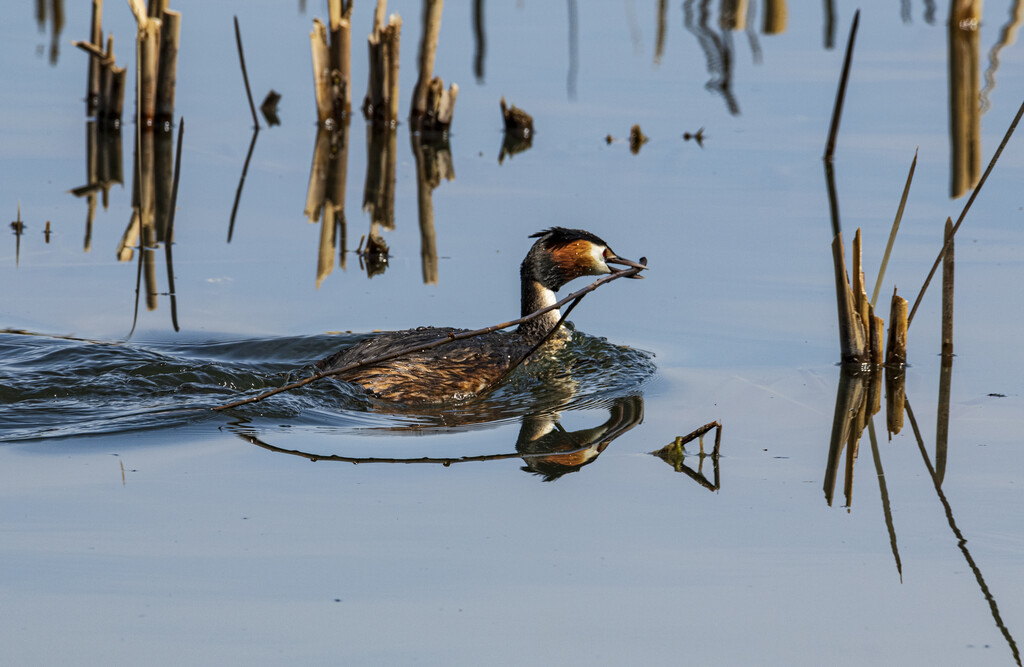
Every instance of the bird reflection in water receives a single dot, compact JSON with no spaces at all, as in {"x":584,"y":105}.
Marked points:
{"x":546,"y":448}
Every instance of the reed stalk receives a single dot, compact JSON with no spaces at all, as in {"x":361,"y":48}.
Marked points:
{"x":892,"y":232}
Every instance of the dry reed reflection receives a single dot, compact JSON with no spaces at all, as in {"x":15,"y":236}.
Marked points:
{"x":964,"y":95}
{"x":51,"y":12}
{"x":433,"y":163}
{"x":961,"y":541}
{"x":328,"y":174}
{"x":103,"y":157}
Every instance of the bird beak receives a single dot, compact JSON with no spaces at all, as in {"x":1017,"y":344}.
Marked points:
{"x":642,"y":264}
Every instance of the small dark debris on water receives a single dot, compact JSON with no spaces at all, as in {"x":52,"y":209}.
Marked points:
{"x":47,"y":232}
{"x":374,"y":256}
{"x":697,"y":136}
{"x":995,"y":395}
{"x":518,"y":131}
{"x":636,"y":139}
{"x":608,"y":139}
{"x":516,"y":120}
{"x":269,"y":107}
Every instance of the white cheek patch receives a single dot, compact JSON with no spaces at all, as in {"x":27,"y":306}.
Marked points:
{"x":597,"y":252}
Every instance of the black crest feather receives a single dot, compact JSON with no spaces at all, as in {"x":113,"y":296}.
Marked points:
{"x":559,"y":236}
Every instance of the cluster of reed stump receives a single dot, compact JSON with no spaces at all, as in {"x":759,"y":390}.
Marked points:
{"x":430,"y":117}
{"x":861,"y":330}
{"x":432,"y":105}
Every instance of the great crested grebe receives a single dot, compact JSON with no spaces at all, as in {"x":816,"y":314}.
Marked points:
{"x":461,"y":369}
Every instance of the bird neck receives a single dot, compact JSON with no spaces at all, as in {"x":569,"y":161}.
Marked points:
{"x":535,"y":297}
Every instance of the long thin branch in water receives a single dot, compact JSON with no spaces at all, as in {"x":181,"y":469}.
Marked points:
{"x":627,"y":273}
{"x":963,"y":213}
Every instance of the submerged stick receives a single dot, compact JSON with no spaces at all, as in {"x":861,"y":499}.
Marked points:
{"x":967,"y":207}
{"x":627,"y":273}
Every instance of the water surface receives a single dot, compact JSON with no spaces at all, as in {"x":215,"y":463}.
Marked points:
{"x":141,"y":527}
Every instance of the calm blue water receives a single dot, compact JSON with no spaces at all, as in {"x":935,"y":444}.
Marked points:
{"x":139,"y":527}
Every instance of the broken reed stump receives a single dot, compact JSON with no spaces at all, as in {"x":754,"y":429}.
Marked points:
{"x":861,"y":332}
{"x":332,"y":64}
{"x":104,"y":97}
{"x":159,"y":30}
{"x":381,"y":102}
{"x":896,"y":348}
{"x":516,"y":120}
{"x":432,"y":105}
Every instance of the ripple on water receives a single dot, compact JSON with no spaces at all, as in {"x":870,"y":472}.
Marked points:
{"x":59,"y":387}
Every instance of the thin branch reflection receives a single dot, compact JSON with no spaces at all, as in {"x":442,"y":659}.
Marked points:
{"x":546,"y":448}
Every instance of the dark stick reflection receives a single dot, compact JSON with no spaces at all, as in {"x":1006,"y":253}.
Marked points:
{"x":961,"y":541}
{"x":829,"y":29}
{"x":55,"y":14}
{"x":574,"y":50}
{"x":546,"y":448}
{"x":883,"y":491}
{"x":479,"y":33}
{"x":155,"y":191}
{"x":241,"y":182}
